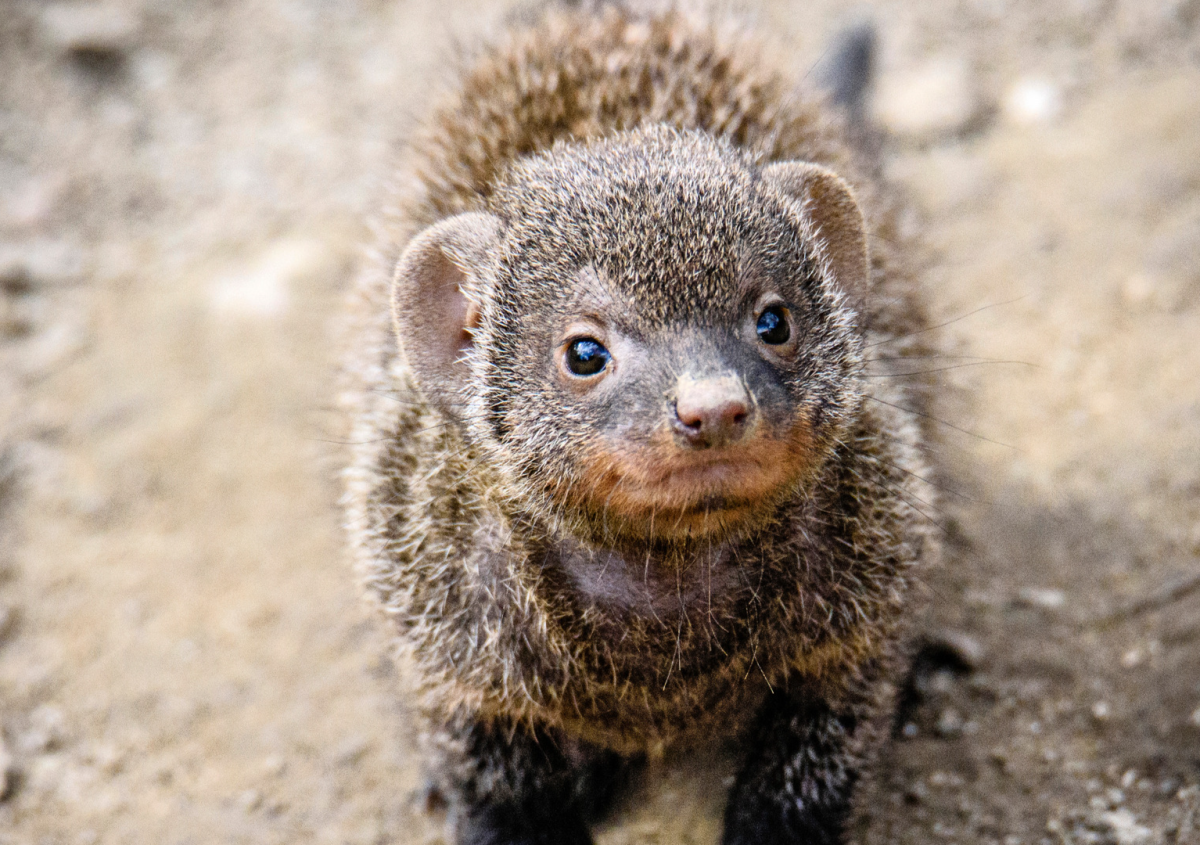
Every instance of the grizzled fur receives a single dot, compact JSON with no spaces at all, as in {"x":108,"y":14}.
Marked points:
{"x":551,"y":638}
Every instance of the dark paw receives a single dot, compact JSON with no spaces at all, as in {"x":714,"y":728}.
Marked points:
{"x":789,"y":824}
{"x":512,"y":825}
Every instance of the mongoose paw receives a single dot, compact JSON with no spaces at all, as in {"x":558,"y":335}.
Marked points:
{"x":783,"y":823}
{"x":511,"y":825}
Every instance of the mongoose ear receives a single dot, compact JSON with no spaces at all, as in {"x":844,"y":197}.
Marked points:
{"x":827,"y":205}
{"x":435,"y":299}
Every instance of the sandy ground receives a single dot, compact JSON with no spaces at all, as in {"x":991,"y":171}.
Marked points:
{"x":184,"y":653}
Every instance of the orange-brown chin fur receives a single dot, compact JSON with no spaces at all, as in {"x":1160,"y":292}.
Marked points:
{"x":665,"y":491}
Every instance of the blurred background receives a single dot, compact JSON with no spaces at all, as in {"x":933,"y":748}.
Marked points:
{"x":184,"y":653}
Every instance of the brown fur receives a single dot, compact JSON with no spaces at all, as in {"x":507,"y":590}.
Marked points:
{"x":499,"y":587}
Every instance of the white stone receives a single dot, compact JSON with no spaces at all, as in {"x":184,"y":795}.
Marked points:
{"x":249,"y":800}
{"x":1125,"y":827}
{"x":1032,"y":101}
{"x":88,"y":26}
{"x":274,"y":766}
{"x":263,"y":290}
{"x":1043,"y":597}
{"x":937,"y":98}
{"x":1138,"y":290}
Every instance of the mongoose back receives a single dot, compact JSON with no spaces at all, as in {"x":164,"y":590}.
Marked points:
{"x":626,"y":477}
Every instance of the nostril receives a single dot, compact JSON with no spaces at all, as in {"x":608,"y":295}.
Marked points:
{"x":689,"y":417}
{"x":714,"y":419}
{"x":710,"y":412}
{"x":695,"y":425}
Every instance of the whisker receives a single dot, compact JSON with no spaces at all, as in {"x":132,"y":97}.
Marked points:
{"x":943,"y":422}
{"x":935,"y":485}
{"x":897,"y":491}
{"x":944,"y":369}
{"x":942,"y":358}
{"x":947,"y":323}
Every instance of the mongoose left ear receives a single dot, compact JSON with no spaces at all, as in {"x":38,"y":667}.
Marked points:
{"x":837,"y":226}
{"x":435,"y":302}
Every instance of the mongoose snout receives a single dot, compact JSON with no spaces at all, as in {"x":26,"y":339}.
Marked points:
{"x":712,"y":412}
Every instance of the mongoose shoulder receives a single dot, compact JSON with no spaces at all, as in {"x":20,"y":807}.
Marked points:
{"x":626,"y":473}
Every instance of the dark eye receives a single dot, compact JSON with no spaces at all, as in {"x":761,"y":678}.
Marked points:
{"x":773,"y":326}
{"x":587,"y":356}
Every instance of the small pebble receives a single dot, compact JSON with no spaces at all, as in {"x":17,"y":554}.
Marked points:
{"x":917,"y":793}
{"x":1101,"y":711}
{"x":960,"y":647}
{"x":949,"y":724}
{"x":8,"y":772}
{"x":1043,"y":597}
{"x":1138,"y":290}
{"x":264,"y":289}
{"x":88,"y":28}
{"x":936,"y":99}
{"x":945,"y":780}
{"x":274,"y":766}
{"x":249,"y":800}
{"x":1032,"y":101}
{"x":1125,"y":827}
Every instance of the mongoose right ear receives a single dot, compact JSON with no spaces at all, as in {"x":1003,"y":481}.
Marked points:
{"x":435,"y":299}
{"x":827,"y":205}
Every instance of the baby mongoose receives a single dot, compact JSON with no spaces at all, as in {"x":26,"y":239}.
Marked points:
{"x":627,"y":477}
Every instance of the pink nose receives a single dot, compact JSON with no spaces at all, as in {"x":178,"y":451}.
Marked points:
{"x":712,"y":411}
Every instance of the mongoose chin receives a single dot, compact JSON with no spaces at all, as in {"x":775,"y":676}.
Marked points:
{"x":619,"y":480}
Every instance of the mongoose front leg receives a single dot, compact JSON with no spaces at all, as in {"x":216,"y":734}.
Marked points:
{"x":517,"y":786}
{"x":797,"y":779}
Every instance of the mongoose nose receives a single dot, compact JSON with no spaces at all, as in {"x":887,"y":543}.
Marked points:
{"x":712,"y":412}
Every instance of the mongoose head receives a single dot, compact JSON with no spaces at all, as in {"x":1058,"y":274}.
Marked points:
{"x":648,"y":337}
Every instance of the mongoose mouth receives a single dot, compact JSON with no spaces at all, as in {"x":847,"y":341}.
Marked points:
{"x":662,"y":490}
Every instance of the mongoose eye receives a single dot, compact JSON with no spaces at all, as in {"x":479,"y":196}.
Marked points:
{"x":773,"y":326}
{"x":587,"y":357}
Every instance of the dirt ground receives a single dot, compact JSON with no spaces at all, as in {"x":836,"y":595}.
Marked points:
{"x":184,"y":653}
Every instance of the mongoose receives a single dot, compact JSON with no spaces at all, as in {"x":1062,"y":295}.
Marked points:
{"x":626,"y":477}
